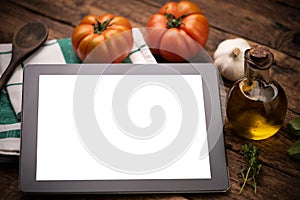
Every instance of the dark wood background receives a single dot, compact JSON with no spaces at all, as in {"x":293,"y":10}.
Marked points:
{"x":274,"y":23}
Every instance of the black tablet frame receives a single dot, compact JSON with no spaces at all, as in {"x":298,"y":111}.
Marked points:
{"x":219,"y":181}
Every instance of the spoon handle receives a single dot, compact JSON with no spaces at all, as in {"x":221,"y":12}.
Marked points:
{"x":9,"y":71}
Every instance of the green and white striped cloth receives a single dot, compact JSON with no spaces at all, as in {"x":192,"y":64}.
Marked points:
{"x":54,"y":52}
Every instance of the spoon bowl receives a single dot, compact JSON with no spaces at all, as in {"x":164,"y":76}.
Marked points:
{"x":26,"y":41}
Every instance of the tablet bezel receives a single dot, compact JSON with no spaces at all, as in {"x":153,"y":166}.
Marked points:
{"x":219,"y":181}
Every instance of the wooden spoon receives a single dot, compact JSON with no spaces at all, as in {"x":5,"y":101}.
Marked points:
{"x":25,"y":41}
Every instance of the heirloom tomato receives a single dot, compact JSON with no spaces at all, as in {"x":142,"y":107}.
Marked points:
{"x":178,"y":32}
{"x":109,"y":33}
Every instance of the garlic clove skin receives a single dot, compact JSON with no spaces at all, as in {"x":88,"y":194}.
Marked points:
{"x":230,"y":68}
{"x":229,"y":58}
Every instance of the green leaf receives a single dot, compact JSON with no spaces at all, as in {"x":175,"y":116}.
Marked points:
{"x":294,"y":126}
{"x":295,"y":150}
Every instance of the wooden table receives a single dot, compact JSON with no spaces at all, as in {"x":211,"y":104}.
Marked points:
{"x":274,"y":23}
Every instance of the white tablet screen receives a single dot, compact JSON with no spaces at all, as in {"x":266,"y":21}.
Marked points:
{"x":63,"y":154}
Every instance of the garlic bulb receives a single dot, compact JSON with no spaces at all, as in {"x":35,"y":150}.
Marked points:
{"x":229,"y":58}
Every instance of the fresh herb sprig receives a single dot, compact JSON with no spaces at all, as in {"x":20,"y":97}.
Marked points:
{"x":252,"y":173}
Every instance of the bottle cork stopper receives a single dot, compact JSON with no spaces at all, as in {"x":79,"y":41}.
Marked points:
{"x":259,"y":52}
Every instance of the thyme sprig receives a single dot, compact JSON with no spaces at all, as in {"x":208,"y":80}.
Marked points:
{"x":253,"y":170}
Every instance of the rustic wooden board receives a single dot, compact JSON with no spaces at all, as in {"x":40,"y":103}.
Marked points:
{"x":260,"y":22}
{"x":11,"y":14}
{"x":272,"y":184}
{"x":288,"y":76}
{"x":288,"y":4}
{"x":284,"y":70}
{"x":273,"y":150}
{"x":274,"y":23}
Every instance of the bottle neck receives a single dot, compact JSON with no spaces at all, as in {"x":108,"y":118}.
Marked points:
{"x":258,"y":86}
{"x":258,"y":68}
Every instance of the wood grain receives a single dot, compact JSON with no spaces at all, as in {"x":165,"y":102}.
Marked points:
{"x":274,"y":23}
{"x":289,"y":76}
{"x":285,"y":69}
{"x":272,"y":183}
{"x":13,"y":16}
{"x":260,"y":22}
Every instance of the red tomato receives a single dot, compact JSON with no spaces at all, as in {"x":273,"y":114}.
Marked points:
{"x":103,"y":32}
{"x":178,"y":31}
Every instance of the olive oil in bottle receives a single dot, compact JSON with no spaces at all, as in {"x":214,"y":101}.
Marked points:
{"x":256,"y":105}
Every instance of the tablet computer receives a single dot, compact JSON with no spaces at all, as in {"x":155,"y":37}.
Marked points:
{"x":122,"y":128}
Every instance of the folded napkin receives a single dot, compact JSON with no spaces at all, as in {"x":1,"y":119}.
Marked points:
{"x":52,"y":52}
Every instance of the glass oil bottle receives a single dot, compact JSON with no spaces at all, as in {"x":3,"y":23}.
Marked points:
{"x":256,"y":104}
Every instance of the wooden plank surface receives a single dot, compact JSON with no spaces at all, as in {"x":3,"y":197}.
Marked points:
{"x":13,"y":16}
{"x":274,"y":23}
{"x":260,"y":22}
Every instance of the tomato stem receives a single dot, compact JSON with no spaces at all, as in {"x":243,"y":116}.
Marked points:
{"x":174,"y":22}
{"x":100,"y":27}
